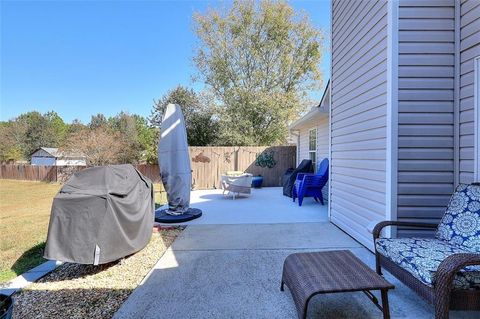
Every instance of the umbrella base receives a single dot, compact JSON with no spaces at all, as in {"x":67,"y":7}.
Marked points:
{"x":161,"y":216}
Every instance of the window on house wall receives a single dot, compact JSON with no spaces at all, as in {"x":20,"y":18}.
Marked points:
{"x":312,"y":146}
{"x":476,"y":96}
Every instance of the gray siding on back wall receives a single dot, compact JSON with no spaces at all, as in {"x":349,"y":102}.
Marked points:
{"x":358,"y":116}
{"x":469,"y":49}
{"x":425,"y":110}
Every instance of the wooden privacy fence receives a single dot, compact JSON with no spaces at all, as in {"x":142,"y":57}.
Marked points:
{"x":38,"y":172}
{"x":208,"y":164}
{"x":61,"y":173}
{"x":151,"y":171}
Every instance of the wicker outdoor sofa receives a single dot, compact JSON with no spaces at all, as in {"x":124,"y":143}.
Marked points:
{"x":236,"y":183}
{"x":444,"y":270}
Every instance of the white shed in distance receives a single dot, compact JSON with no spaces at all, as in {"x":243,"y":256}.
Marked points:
{"x":50,"y":156}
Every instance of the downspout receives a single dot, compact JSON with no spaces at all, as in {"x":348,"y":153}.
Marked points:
{"x":297,"y":135}
{"x":330,"y":104}
{"x":456,"y":99}
{"x":392,"y":116}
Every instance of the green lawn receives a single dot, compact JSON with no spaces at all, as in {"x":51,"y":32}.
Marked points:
{"x":24,"y":215}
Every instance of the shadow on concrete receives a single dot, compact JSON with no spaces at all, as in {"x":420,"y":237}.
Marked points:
{"x":222,"y":197}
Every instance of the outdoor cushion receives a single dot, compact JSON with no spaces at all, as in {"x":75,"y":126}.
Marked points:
{"x":237,"y":183}
{"x":422,"y":256}
{"x":461,"y":223}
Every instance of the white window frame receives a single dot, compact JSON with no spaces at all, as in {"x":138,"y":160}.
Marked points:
{"x":476,"y":123}
{"x":310,"y":151}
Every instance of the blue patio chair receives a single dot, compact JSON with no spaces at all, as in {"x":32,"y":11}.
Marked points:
{"x":308,"y":184}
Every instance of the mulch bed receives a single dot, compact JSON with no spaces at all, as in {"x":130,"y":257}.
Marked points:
{"x":87,"y":291}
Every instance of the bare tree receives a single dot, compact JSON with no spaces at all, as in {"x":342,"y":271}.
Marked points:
{"x":99,"y":145}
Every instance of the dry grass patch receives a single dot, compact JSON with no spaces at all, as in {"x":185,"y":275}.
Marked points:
{"x":24,"y":215}
{"x":86,"y":291}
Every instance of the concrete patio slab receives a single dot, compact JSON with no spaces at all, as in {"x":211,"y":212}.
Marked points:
{"x":237,"y":277}
{"x":243,"y":284}
{"x":264,"y":205}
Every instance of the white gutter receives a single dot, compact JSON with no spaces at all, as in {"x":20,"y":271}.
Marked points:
{"x":306,"y":118}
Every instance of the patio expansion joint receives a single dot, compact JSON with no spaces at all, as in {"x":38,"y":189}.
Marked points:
{"x":268,"y":249}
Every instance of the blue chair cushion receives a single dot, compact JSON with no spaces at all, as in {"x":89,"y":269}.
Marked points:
{"x":461,"y":223}
{"x":422,"y":256}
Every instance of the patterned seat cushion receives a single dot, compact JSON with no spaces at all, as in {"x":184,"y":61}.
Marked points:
{"x":422,"y":256}
{"x":461,"y":223}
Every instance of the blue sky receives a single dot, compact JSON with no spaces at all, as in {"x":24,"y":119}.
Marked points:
{"x":80,"y":58}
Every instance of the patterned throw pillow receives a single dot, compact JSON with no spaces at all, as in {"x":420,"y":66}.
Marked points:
{"x":461,"y":223}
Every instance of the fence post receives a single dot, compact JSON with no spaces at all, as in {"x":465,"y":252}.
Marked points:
{"x":235,"y":159}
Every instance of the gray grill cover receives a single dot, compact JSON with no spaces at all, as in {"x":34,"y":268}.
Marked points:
{"x":100,"y":215}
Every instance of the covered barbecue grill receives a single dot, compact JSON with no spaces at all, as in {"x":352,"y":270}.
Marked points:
{"x":100,"y":215}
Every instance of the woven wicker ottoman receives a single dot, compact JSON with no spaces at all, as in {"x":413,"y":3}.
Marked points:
{"x":309,"y":274}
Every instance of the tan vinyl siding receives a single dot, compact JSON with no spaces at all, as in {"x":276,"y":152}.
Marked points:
{"x":358,"y":115}
{"x":425,"y":110}
{"x":469,"y":49}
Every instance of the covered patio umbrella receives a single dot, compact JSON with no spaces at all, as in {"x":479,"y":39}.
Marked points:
{"x":175,"y":171}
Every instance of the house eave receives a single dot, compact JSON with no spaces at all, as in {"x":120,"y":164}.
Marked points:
{"x":315,"y":114}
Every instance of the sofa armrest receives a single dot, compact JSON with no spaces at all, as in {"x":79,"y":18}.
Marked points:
{"x":378,"y":227}
{"x":451,"y":265}
{"x":445,"y":274}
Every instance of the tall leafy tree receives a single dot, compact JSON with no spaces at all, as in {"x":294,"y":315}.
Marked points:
{"x":147,"y":139}
{"x":135,"y":134}
{"x":57,"y":126}
{"x":34,"y":130}
{"x":197,"y":109}
{"x":75,"y":126}
{"x":260,"y":59}
{"x":11,"y":141}
{"x":97,"y":120}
